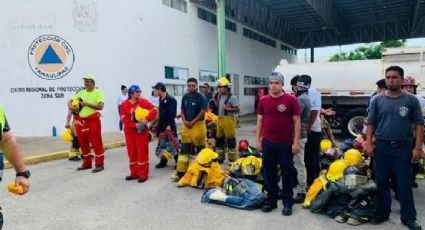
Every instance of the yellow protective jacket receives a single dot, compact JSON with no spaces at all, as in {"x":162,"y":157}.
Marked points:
{"x":212,"y":176}
{"x":318,"y":185}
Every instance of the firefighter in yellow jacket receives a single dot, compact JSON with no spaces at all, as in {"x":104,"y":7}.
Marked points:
{"x":228,"y":107}
{"x":194,"y":131}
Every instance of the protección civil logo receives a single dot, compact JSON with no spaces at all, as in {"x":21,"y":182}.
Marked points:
{"x":50,"y":57}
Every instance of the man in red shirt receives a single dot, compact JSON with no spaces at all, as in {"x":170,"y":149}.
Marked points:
{"x":278,"y":135}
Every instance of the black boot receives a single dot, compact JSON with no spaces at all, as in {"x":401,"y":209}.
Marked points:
{"x":162,"y":164}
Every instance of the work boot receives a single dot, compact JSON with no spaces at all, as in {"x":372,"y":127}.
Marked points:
{"x":412,"y":225}
{"x":141,"y":180}
{"x":76,"y":158}
{"x":83,"y":168}
{"x":97,"y":169}
{"x":162,"y":164}
{"x":176,"y":177}
{"x":353,"y":222}
{"x":130,"y":178}
{"x":378,"y":219}
{"x":287,"y":211}
{"x":299,"y":199}
{"x":268,"y":207}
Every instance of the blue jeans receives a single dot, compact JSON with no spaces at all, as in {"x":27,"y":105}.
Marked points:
{"x":394,"y":160}
{"x":273,"y":155}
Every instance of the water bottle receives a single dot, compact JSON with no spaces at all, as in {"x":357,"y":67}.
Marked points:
{"x":54,"y":134}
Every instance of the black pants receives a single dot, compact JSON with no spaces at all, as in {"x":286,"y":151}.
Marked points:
{"x":273,"y":155}
{"x":312,"y":156}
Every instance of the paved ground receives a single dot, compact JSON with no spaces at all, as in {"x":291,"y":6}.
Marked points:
{"x":62,"y":198}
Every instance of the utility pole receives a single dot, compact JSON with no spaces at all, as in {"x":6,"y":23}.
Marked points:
{"x":221,"y":33}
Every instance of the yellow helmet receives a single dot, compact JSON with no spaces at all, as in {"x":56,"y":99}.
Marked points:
{"x":75,"y":103}
{"x":353,"y":156}
{"x":140,"y":114}
{"x":223,"y":82}
{"x":251,"y":165}
{"x":336,"y":170}
{"x":206,"y":156}
{"x":67,"y":135}
{"x":325,"y":145}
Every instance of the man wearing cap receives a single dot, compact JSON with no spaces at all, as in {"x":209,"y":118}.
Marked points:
{"x":194,"y":131}
{"x":167,"y":115}
{"x":278,"y":136}
{"x":89,"y":129}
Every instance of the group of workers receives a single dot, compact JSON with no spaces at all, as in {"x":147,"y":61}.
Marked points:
{"x":288,"y":134}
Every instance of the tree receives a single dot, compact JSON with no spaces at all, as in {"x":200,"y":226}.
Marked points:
{"x":368,"y":52}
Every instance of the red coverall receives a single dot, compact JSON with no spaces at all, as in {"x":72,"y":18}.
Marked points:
{"x":89,"y":132}
{"x":137,"y":143}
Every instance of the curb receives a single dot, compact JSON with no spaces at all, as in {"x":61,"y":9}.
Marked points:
{"x":58,"y":155}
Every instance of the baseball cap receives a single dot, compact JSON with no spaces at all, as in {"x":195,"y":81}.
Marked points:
{"x":89,"y":76}
{"x":159,"y":85}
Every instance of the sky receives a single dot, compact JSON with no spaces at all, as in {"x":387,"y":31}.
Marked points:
{"x":327,"y":52}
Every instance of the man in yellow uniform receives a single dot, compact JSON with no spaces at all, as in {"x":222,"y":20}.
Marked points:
{"x":89,"y":132}
{"x":9,"y":147}
{"x":228,"y":107}
{"x":194,"y":131}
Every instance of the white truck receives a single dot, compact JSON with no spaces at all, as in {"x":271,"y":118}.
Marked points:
{"x":346,"y":86}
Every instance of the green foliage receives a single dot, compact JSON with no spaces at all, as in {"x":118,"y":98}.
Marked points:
{"x":368,"y":52}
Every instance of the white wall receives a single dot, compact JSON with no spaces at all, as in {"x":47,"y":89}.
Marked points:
{"x":121,"y":43}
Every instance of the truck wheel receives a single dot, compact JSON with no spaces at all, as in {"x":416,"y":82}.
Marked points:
{"x":352,"y":122}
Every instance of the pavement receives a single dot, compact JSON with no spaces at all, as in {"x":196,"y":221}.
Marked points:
{"x":62,"y":198}
{"x":41,"y":149}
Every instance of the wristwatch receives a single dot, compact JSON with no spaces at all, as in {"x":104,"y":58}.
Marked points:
{"x":25,"y":174}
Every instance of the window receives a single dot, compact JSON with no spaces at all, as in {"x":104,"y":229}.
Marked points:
{"x":249,"y":91}
{"x":175,"y":90}
{"x":288,"y":50}
{"x":208,"y":76}
{"x":249,"y":80}
{"x":180,"y":5}
{"x":212,"y":18}
{"x":176,"y":73}
{"x":258,"y":37}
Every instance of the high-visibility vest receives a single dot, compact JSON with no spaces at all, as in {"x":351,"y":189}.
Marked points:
{"x":2,"y":121}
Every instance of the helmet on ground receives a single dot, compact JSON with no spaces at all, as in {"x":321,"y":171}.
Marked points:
{"x":140,"y":114}
{"x":206,"y":156}
{"x":243,"y":145}
{"x":410,"y":81}
{"x":336,"y":170}
{"x":251,"y":165}
{"x":353,"y":156}
{"x":355,"y":176}
{"x":234,"y":186}
{"x":223,"y":82}
{"x":67,"y":135}
{"x":325,"y":145}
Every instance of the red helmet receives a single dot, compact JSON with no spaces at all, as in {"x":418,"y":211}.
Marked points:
{"x":243,"y":145}
{"x":410,"y":80}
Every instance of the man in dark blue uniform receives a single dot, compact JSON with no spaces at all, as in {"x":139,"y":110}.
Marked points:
{"x":391,"y":117}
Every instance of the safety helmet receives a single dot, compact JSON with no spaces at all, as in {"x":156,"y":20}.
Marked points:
{"x":234,"y":186}
{"x":410,"y":81}
{"x":206,"y":156}
{"x":251,"y":165}
{"x":355,"y":176}
{"x":67,"y":135}
{"x":75,"y":103}
{"x":325,"y":144}
{"x":336,"y":170}
{"x":223,"y":82}
{"x":140,"y":114}
{"x":243,"y":145}
{"x":353,"y":156}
